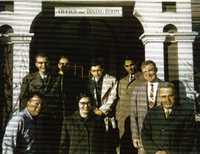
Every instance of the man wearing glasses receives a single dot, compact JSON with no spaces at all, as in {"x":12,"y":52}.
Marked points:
{"x":83,"y":131}
{"x":69,"y":85}
{"x":20,"y":135}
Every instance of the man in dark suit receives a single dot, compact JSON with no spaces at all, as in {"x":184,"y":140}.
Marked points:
{"x":144,"y":97}
{"x":170,"y":127}
{"x":125,"y":87}
{"x":83,"y":131}
{"x":45,"y":83}
{"x":70,"y":85}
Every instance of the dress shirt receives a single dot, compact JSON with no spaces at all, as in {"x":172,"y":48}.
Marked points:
{"x":167,"y":112}
{"x":131,"y":77}
{"x":43,"y":76}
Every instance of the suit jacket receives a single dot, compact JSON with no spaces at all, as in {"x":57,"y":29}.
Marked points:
{"x":139,"y":107}
{"x":174,"y":134}
{"x":123,"y":111}
{"x":82,"y":136}
{"x":108,"y":92}
{"x":34,"y":83}
{"x":49,"y":122}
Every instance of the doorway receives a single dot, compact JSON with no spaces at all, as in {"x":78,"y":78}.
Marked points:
{"x":84,"y":38}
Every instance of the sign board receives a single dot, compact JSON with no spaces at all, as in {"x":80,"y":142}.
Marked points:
{"x":88,"y":12}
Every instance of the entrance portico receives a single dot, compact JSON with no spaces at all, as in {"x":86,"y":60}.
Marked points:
{"x":151,"y":21}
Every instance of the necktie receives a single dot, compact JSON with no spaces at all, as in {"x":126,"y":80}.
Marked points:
{"x":45,"y":80}
{"x":151,"y":91}
{"x":167,"y":113}
{"x":151,"y":96}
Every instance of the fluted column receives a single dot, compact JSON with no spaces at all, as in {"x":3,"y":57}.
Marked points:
{"x":21,"y":46}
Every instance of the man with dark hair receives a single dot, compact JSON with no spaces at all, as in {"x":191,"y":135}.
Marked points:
{"x":143,"y":98}
{"x":43,"y":82}
{"x":125,"y":88}
{"x":103,"y":89}
{"x":83,"y":132}
{"x":69,"y":84}
{"x":20,"y":135}
{"x":169,"y":128}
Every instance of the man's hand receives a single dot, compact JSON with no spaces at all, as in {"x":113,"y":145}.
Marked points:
{"x":161,"y":152}
{"x":98,"y":112}
{"x":136,"y":143}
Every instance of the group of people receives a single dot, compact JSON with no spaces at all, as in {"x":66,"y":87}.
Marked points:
{"x":137,"y":114}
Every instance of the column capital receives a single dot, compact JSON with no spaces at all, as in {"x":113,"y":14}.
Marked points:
{"x":20,"y":38}
{"x":152,"y":37}
{"x":185,"y":37}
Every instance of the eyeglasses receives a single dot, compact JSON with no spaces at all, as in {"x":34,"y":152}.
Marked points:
{"x":64,"y":64}
{"x":85,"y":103}
{"x":42,"y":62}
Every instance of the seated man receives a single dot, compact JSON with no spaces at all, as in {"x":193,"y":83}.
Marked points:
{"x":20,"y":134}
{"x":83,"y":132}
{"x":169,"y":128}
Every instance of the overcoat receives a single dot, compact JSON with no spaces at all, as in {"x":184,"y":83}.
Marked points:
{"x":139,"y":107}
{"x":125,"y":89}
{"x":82,"y":136}
{"x":174,"y":134}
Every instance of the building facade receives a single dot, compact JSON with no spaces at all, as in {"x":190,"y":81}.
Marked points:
{"x":160,"y":30}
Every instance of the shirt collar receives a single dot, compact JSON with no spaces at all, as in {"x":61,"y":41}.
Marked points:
{"x":28,"y":113}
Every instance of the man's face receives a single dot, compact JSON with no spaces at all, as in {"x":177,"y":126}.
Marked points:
{"x":34,"y":106}
{"x":149,"y":72}
{"x":84,"y":107}
{"x":96,"y":71}
{"x":167,"y":97}
{"x":63,"y":64}
{"x":42,"y":64}
{"x":129,"y":66}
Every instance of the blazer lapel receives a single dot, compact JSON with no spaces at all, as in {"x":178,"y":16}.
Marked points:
{"x":105,"y":88}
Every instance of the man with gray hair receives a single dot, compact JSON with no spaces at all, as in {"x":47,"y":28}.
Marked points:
{"x":144,"y":97}
{"x":20,"y":135}
{"x":170,"y":127}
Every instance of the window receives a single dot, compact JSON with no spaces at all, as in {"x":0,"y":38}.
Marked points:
{"x":6,"y":6}
{"x":168,"y":6}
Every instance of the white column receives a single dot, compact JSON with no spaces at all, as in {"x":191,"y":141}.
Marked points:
{"x":185,"y":60}
{"x":21,"y":45}
{"x":154,"y":50}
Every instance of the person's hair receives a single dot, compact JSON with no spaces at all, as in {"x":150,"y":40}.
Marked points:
{"x":149,"y":62}
{"x":168,"y":85}
{"x":128,"y":58}
{"x":41,"y":54}
{"x":97,"y":62}
{"x":63,"y":57}
{"x":31,"y":95}
{"x":84,"y":94}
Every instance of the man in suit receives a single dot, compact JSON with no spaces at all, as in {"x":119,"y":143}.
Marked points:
{"x":42,"y":81}
{"x":125,"y":87}
{"x":69,"y":84}
{"x":170,"y":127}
{"x":103,"y":89}
{"x":143,"y":98}
{"x":83,"y":131}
